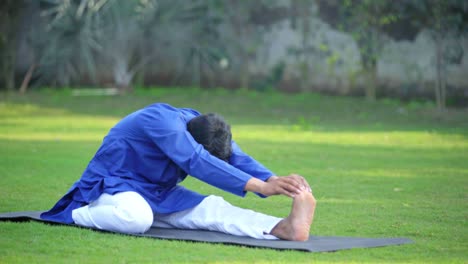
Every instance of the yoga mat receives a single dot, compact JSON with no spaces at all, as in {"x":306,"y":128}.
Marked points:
{"x":314,"y":244}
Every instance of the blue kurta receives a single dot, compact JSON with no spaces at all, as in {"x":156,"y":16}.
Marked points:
{"x":149,"y":152}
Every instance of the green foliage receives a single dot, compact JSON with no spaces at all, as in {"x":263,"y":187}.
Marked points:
{"x":78,"y":37}
{"x":449,"y":15}
{"x":272,"y":80}
{"x":376,"y":172}
{"x":10,"y":13}
{"x":447,"y":20}
{"x":365,"y":21}
{"x":66,"y":41}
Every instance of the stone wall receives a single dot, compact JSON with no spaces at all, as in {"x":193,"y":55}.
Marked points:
{"x":334,"y":59}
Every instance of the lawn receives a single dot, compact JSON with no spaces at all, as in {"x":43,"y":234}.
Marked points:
{"x":378,"y":169}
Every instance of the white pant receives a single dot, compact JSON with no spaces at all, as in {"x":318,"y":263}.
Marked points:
{"x":128,"y":212}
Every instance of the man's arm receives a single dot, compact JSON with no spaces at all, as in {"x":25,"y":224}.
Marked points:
{"x":247,"y":164}
{"x":168,"y":131}
{"x":287,"y":185}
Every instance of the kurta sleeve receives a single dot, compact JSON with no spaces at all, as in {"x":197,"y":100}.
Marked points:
{"x":247,"y":164}
{"x":168,"y":131}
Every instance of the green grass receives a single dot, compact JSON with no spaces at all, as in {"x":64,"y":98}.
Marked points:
{"x":382,"y":169}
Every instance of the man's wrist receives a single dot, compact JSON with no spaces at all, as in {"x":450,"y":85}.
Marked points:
{"x":272,"y":178}
{"x":255,"y":185}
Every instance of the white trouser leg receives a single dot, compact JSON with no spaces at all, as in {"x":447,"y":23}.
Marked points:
{"x":215,"y":214}
{"x":125,"y":212}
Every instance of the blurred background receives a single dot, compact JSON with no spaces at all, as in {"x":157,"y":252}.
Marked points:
{"x":405,"y":49}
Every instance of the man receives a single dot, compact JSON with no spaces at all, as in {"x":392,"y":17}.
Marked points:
{"x":132,"y":181}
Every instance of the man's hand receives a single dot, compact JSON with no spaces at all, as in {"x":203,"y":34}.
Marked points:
{"x":305,"y":184}
{"x":290,"y":185}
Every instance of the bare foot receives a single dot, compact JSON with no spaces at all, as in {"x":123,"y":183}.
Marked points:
{"x":297,"y":225}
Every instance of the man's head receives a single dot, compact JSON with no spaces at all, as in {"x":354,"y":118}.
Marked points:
{"x":211,"y":131}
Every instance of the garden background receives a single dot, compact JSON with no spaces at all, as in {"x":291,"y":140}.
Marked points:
{"x":366,"y":99}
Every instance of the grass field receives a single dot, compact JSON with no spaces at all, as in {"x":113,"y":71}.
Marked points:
{"x":382,"y":169}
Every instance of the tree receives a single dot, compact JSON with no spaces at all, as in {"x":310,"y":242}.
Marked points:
{"x":9,"y":15}
{"x":124,"y":36}
{"x":369,"y":20}
{"x":302,"y":9}
{"x":238,"y":16}
{"x":446,"y":19}
{"x":201,"y":45}
{"x":365,"y":20}
{"x":78,"y":36}
{"x":247,"y":20}
{"x":66,"y":41}
{"x":121,"y":35}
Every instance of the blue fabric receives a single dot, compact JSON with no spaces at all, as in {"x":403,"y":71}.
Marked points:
{"x":150,"y":151}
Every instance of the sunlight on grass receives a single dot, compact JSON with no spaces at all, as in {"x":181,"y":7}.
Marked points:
{"x":402,"y":178}
{"x":54,"y":136}
{"x":404,"y":139}
{"x":399,"y":173}
{"x":70,"y":127}
{"x":9,"y":109}
{"x":350,"y":201}
{"x":29,"y":122}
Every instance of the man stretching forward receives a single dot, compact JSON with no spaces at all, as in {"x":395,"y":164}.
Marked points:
{"x":132,"y":181}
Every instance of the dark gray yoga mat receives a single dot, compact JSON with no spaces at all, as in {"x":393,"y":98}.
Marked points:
{"x":314,"y":244}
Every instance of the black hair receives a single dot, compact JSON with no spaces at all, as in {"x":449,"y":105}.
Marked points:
{"x":211,"y":131}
